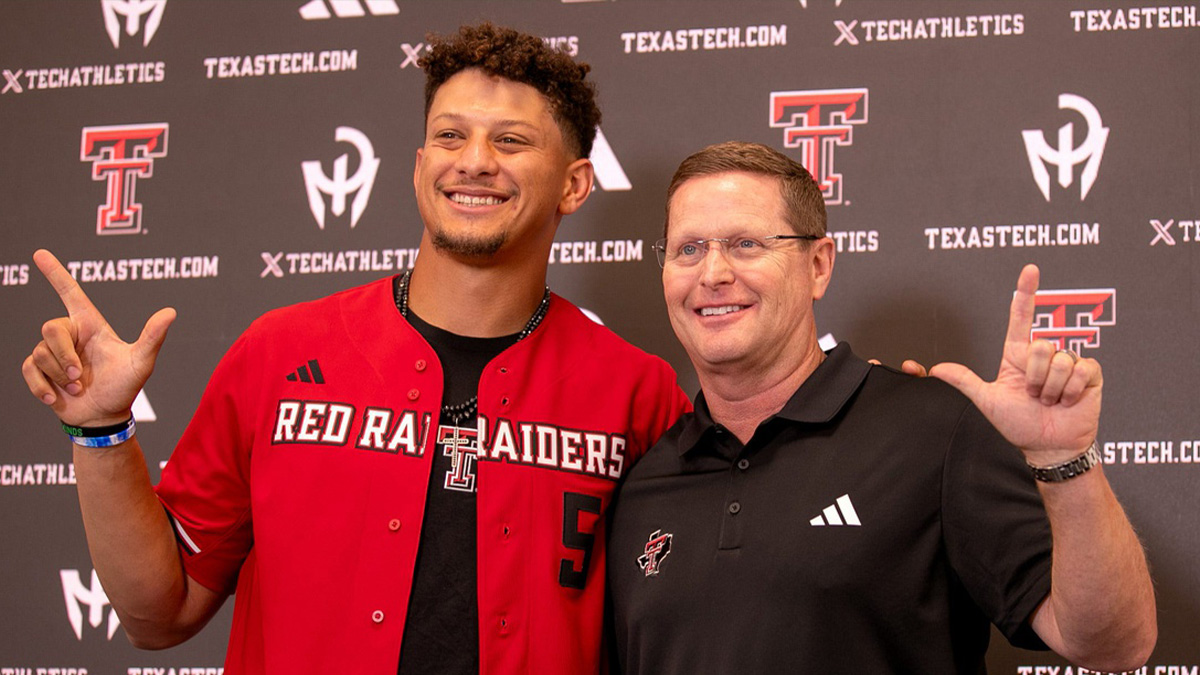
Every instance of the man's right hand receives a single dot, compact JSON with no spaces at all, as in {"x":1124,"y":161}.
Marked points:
{"x":81,"y":368}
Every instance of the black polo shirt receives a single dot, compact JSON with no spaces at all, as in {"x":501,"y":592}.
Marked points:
{"x":876,"y":524}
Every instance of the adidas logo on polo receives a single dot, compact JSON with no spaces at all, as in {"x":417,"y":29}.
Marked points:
{"x":309,"y":372}
{"x":839,"y":513}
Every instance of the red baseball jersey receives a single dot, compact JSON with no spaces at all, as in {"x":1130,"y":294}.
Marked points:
{"x":301,"y":480}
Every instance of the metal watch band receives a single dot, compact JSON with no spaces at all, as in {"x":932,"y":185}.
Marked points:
{"x":1070,"y":468}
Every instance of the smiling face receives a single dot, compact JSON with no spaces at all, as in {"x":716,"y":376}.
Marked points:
{"x":494,"y":171}
{"x":746,"y":317}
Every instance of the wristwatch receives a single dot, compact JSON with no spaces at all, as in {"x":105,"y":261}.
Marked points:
{"x":1070,"y":468}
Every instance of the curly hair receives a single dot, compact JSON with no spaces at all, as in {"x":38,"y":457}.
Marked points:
{"x":804,"y":207}
{"x":523,"y":58}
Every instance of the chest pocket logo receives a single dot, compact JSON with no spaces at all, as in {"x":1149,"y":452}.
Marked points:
{"x":657,"y":548}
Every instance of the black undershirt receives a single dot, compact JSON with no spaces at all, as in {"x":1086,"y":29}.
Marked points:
{"x":441,"y":634}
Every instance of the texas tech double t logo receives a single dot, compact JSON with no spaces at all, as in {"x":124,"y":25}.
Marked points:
{"x":120,"y":155}
{"x":1071,"y":319}
{"x":817,"y":121}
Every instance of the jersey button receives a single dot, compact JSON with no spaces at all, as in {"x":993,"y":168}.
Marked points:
{"x":743,"y":464}
{"x":394,"y":524}
{"x":734,"y":508}
{"x":420,"y":365}
{"x":414,"y":394}
{"x":377,"y":616}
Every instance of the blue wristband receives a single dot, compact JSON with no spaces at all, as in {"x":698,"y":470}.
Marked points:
{"x":100,"y":437}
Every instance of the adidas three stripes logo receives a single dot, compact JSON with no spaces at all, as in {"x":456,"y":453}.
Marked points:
{"x":840,"y":512}
{"x":309,"y":372}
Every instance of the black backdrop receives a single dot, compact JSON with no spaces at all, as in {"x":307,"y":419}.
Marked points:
{"x":191,"y":121}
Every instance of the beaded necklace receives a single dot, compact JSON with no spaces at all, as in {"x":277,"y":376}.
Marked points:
{"x":465,"y":410}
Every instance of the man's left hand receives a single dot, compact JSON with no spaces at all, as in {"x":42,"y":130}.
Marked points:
{"x":1044,"y":401}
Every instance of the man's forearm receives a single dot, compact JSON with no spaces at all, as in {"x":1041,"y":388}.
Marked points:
{"x":1101,"y":610}
{"x":133,"y":548}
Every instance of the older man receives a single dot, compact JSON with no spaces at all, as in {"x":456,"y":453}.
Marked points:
{"x":816,"y":514}
{"x":429,"y":495}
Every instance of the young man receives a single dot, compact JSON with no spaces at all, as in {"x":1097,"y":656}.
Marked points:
{"x":816,"y":514}
{"x":435,"y":499}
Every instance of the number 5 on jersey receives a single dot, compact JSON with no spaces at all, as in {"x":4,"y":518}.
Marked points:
{"x":574,"y":504}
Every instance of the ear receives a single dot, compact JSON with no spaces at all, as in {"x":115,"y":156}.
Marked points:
{"x":417,"y":169}
{"x":821,"y":256}
{"x":580,"y":176}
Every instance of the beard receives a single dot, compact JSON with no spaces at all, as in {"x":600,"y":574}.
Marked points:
{"x":468,"y":247}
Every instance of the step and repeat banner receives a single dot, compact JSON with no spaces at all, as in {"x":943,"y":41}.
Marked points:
{"x":228,"y":157}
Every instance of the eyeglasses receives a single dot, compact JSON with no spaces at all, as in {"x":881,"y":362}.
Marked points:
{"x":736,"y":249}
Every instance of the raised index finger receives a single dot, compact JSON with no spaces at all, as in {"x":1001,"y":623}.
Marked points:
{"x":1020,"y":315}
{"x":72,"y":296}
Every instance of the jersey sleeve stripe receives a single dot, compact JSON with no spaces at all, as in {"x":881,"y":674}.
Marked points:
{"x":183,"y":537}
